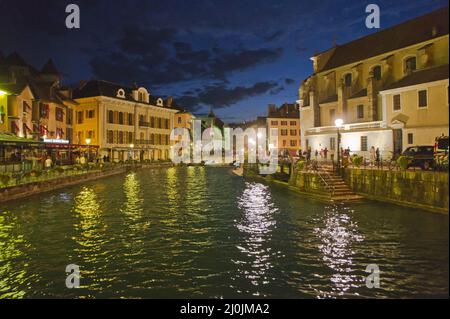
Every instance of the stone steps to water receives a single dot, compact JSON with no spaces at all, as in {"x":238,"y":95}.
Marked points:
{"x":338,"y":189}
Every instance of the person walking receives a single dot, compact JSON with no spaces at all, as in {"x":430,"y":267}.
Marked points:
{"x":308,"y":154}
{"x":48,"y":162}
{"x":377,"y":156}
{"x":372,"y":153}
{"x":325,"y":154}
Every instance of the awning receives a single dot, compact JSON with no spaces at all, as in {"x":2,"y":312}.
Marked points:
{"x":13,"y":140}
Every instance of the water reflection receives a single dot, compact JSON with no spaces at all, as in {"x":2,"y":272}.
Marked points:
{"x":256,"y":226}
{"x":13,"y":270}
{"x":337,"y":236}
{"x":133,"y":205}
{"x":91,"y":239}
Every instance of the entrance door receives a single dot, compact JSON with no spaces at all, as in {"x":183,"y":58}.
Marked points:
{"x":398,"y":142}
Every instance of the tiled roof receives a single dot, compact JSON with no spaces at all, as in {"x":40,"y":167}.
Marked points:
{"x":49,"y":68}
{"x":329,"y":99}
{"x":420,"y":29}
{"x":109,"y":89}
{"x":13,"y":88}
{"x":361,"y":93}
{"x":287,"y":110}
{"x":421,"y":76}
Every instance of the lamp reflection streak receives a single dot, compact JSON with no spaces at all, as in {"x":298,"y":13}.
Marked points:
{"x":256,"y":226}
{"x":337,"y":238}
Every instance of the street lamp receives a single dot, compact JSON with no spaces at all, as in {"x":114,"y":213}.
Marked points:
{"x":339,"y":123}
{"x":88,"y":142}
{"x":132,"y":152}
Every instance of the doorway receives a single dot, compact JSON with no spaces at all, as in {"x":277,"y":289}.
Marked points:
{"x":398,"y":142}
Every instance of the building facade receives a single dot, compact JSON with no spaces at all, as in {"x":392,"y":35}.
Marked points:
{"x":37,"y":106}
{"x":125,"y":122}
{"x":356,"y":82}
{"x":286,"y":119}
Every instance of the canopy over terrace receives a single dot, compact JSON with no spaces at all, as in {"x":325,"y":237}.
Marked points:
{"x":18,"y":153}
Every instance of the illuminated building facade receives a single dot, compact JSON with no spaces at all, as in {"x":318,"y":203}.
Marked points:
{"x":390,"y":89}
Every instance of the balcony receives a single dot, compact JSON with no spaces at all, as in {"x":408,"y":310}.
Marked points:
{"x":144,"y":124}
{"x":347,"y":127}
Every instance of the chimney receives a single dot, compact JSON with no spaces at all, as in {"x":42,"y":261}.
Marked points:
{"x":169,"y":101}
{"x":81,"y":84}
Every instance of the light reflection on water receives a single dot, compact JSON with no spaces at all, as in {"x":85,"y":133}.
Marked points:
{"x":337,"y":236}
{"x":256,"y":224}
{"x":198,"y":232}
{"x":12,"y":278}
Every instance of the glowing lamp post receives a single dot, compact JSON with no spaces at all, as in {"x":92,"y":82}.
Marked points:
{"x":88,"y":143}
{"x":132,"y":152}
{"x":339,"y":123}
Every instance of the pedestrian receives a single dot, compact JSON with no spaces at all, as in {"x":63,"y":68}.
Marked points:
{"x":48,"y":162}
{"x":372,"y":154}
{"x":325,"y":153}
{"x":377,"y":155}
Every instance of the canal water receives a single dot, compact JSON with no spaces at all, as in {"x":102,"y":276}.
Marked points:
{"x":198,"y":232}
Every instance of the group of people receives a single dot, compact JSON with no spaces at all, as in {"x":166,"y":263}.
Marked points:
{"x":374,"y":154}
{"x":323,"y":153}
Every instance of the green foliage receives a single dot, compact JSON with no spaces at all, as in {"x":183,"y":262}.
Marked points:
{"x":300,"y":165}
{"x":4,"y":179}
{"x":357,"y":160}
{"x":403,"y":162}
{"x":35,"y":173}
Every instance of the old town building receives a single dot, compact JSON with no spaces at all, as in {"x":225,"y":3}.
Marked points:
{"x":34,"y":106}
{"x":390,"y":89}
{"x":286,"y":119}
{"x":125,"y":122}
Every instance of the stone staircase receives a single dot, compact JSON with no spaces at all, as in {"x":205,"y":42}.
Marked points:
{"x":336,"y":186}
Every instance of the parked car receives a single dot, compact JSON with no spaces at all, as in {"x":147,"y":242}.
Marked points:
{"x":420,"y":156}
{"x":441,"y":149}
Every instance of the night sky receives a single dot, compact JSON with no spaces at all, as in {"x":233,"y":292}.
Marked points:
{"x":234,"y":56}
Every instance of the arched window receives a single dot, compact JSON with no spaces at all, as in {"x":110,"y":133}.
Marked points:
{"x":120,"y":118}
{"x":410,"y":64}
{"x":348,"y":80}
{"x":376,"y":71}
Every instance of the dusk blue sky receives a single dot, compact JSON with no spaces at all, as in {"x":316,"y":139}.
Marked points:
{"x":234,"y":56}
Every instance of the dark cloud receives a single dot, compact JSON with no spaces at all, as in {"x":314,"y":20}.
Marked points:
{"x":221,"y":96}
{"x":154,"y":56}
{"x":276,"y":90}
{"x":146,"y":41}
{"x":274,"y":36}
{"x":289,"y":81}
{"x":242,"y":60}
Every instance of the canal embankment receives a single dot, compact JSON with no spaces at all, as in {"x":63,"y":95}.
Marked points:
{"x":419,"y":189}
{"x":22,"y":185}
{"x":427,"y":190}
{"x":283,"y":178}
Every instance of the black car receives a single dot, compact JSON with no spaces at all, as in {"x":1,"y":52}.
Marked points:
{"x":420,"y":156}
